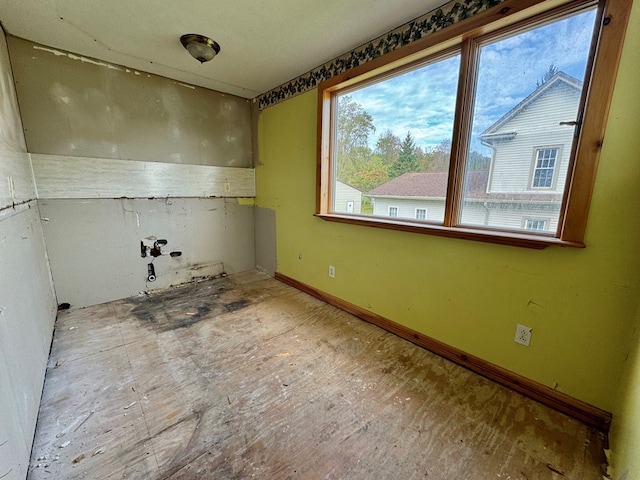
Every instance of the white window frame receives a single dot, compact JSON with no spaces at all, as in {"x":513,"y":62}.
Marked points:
{"x":425,"y":213}
{"x":545,"y":222}
{"x":556,"y":165}
{"x":397,"y":210}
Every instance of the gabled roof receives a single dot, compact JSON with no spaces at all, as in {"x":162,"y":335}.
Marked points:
{"x":347,"y":184}
{"x":560,"y":77}
{"x":419,"y":185}
{"x":429,"y":185}
{"x":426,"y":185}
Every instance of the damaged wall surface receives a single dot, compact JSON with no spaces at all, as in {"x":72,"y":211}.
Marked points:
{"x":80,"y":107}
{"x":120,"y":157}
{"x":213,"y":234}
{"x":27,"y":301}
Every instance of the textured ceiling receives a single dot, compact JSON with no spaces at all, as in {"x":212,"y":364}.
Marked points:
{"x":264,"y":43}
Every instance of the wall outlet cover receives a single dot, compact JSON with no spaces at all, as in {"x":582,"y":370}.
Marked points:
{"x":523,"y":335}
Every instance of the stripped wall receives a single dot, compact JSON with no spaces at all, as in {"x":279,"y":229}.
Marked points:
{"x":27,"y":301}
{"x":121,"y":156}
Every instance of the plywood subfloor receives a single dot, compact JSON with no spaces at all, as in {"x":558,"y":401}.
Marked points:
{"x":245,"y":377}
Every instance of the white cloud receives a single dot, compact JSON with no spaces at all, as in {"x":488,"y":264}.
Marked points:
{"x":422,"y":101}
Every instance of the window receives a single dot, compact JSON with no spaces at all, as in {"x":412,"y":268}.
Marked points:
{"x":450,"y":122}
{"x":544,"y":168}
{"x":535,"y":224}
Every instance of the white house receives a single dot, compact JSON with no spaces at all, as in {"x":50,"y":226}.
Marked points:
{"x":523,"y":189}
{"x":347,"y":199}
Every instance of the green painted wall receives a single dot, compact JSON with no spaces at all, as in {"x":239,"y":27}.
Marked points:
{"x":625,"y":429}
{"x":580,"y":303}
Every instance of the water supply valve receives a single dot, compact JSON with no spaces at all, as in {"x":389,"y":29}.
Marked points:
{"x":154,"y":250}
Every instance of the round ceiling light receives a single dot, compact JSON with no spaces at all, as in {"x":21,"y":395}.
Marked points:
{"x":200,"y":47}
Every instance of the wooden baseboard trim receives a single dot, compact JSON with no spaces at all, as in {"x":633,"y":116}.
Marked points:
{"x":570,"y":406}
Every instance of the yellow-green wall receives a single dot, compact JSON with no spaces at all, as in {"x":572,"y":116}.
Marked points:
{"x":581,"y":304}
{"x":625,"y":430}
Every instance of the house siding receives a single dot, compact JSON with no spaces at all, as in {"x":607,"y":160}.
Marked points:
{"x":407,"y":208}
{"x":511,"y":216}
{"x":346,"y":193}
{"x":537,"y":126}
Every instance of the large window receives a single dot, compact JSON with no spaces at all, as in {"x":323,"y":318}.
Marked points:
{"x":451,"y":128}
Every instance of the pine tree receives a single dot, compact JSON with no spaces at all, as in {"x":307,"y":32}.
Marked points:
{"x":547,"y":76}
{"x":407,"y":158}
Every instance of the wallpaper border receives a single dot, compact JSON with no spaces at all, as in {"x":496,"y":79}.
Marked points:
{"x":433,"y":21}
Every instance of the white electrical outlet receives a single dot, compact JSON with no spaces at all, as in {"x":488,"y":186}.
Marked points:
{"x":332,"y":271}
{"x":523,"y":335}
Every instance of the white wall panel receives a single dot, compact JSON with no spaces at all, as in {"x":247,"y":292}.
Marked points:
{"x":27,"y":314}
{"x":94,"y":244}
{"x":80,"y":177}
{"x":27,"y":300}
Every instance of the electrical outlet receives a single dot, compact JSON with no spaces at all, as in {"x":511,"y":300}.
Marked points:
{"x":332,"y":271}
{"x":523,"y":335}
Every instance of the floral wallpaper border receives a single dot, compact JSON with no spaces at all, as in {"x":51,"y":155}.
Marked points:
{"x":437,"y":19}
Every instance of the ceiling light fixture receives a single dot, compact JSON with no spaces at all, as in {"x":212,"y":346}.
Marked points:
{"x":200,"y":47}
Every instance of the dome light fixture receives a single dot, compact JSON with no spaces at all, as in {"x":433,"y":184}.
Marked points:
{"x":200,"y":47}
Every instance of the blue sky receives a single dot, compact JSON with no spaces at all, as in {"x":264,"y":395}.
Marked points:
{"x":422,"y":101}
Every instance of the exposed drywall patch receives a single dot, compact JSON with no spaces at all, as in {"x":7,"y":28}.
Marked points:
{"x":27,"y":314}
{"x":192,"y":87}
{"x":82,"y":59}
{"x":77,"y":106}
{"x":213,"y":238}
{"x":266,"y":240}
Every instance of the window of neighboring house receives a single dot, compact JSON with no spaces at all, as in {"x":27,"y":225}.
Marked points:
{"x":451,"y":120}
{"x":535,"y":224}
{"x":544,"y":167}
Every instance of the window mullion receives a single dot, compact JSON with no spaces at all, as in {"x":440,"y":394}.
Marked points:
{"x":461,"y":132}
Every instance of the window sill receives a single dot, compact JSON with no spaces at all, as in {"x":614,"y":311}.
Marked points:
{"x":499,"y":237}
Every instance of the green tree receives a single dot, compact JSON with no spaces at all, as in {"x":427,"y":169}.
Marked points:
{"x":476,"y":161}
{"x":366,"y":173}
{"x":439,"y":157}
{"x":388,"y":147}
{"x":354,"y":127}
{"x":548,"y":75}
{"x":407,"y":158}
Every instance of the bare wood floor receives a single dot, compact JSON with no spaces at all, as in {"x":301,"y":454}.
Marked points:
{"x":245,"y":377}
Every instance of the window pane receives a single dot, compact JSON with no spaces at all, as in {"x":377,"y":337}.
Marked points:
{"x":393,"y":141}
{"x":519,"y":153}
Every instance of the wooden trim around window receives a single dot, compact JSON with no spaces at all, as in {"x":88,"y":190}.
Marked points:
{"x":582,"y":411}
{"x":582,"y":170}
{"x":607,"y":59}
{"x":516,"y":239}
